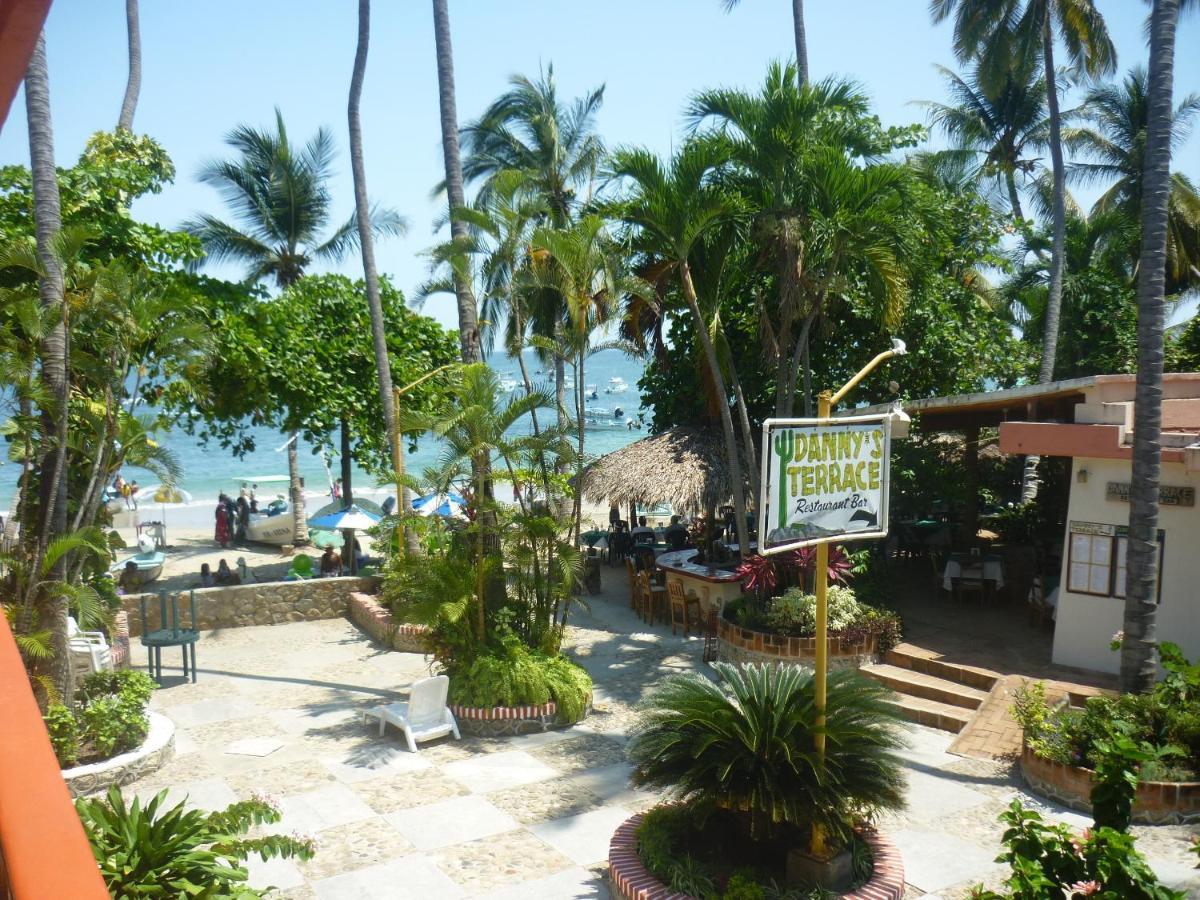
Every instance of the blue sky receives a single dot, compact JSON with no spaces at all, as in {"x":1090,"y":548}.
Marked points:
{"x":210,"y":65}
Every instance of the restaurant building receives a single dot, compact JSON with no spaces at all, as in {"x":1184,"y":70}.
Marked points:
{"x":1090,"y":420}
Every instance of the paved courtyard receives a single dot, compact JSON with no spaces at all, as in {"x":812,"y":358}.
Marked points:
{"x":277,"y":710}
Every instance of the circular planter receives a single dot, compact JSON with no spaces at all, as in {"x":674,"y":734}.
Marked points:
{"x":632,"y":881}
{"x":737,"y":644}
{"x":156,"y":750}
{"x":509,"y":721}
{"x":1155,"y":803}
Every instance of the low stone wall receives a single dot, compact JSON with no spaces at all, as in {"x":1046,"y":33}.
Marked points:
{"x":736,"y":644}
{"x":1156,"y":802}
{"x":632,"y":881}
{"x":367,"y":613}
{"x":266,"y":603}
{"x":156,"y":750}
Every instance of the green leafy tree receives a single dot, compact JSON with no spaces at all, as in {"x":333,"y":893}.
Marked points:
{"x":280,"y":200}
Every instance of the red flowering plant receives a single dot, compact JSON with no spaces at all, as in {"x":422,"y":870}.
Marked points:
{"x":839,"y":570}
{"x":758,"y":576}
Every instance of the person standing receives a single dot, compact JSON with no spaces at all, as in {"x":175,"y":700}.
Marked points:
{"x":243,"y":516}
{"x":133,"y":492}
{"x":222,"y":515}
{"x":254,"y":498}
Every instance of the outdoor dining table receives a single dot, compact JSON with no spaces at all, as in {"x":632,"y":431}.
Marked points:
{"x":988,"y":569}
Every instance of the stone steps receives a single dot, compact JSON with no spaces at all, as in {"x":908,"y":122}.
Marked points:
{"x":907,"y":656}
{"x":928,"y":687}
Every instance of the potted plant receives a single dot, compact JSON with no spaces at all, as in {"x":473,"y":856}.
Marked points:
{"x":746,"y":787}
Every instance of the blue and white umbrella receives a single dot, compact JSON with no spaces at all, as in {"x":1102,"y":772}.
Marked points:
{"x":353,"y":517}
{"x":448,"y":505}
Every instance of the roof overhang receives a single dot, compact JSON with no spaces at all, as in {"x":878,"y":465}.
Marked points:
{"x":21,"y":22}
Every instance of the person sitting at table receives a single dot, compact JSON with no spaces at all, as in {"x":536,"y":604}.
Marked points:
{"x":677,"y":534}
{"x":643,"y":534}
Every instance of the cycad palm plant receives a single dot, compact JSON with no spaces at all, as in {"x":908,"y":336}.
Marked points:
{"x":744,"y":743}
{"x":279,"y":196}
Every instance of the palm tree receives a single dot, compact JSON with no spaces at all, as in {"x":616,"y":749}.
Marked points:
{"x":1116,"y":145}
{"x":134,"y":85}
{"x":554,"y":145}
{"x":744,"y":743}
{"x":994,"y":131}
{"x":1139,"y":668}
{"x":52,"y":505}
{"x":280,"y":199}
{"x":362,"y":210}
{"x":468,"y":326}
{"x":996,"y":32}
{"x":671,"y":208}
{"x":801,"y":39}
{"x":796,"y":155}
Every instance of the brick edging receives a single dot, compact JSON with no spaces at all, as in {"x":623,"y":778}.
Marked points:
{"x":1155,"y":803}
{"x":496,"y":713}
{"x":120,"y":639}
{"x":766,"y":644}
{"x":633,"y":881}
{"x":368,"y":614}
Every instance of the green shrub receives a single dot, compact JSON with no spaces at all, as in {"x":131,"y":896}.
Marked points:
{"x":745,"y":742}
{"x":64,"y":734}
{"x":521,"y":677}
{"x":795,"y":612}
{"x":151,"y":852}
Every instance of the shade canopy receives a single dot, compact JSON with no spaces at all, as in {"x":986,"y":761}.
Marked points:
{"x":163,"y":493}
{"x":685,"y":467}
{"x":447,"y":505}
{"x":353,"y":516}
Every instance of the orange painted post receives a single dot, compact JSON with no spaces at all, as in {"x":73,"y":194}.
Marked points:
{"x":43,"y":849}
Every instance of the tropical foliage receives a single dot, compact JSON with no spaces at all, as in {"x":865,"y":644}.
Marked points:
{"x":150,"y":850}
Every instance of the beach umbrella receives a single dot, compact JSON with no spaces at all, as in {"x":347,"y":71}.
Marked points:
{"x":166,"y":493}
{"x":352,"y":517}
{"x":447,"y":505}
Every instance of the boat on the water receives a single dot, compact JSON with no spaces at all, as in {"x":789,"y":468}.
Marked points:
{"x":507,"y":384}
{"x":276,"y":526}
{"x":616,"y":385}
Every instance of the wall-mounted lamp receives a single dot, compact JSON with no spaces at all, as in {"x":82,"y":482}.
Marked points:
{"x":900,"y":421}
{"x":1081,"y":476}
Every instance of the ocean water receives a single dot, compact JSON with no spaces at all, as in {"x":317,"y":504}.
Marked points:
{"x":209,"y":470}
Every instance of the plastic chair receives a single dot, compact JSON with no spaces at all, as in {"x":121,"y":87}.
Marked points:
{"x":172,"y":635}
{"x":89,"y":649}
{"x":424,"y":717}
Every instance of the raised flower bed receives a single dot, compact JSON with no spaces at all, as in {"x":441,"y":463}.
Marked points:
{"x":631,"y":880}
{"x":368,"y":614}
{"x":1156,"y":803}
{"x":154,"y":752}
{"x":509,"y":721}
{"x":740,"y":644}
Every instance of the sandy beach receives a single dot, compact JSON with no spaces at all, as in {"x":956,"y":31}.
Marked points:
{"x":191,"y":543}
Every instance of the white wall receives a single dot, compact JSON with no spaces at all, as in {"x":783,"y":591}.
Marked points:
{"x":1086,"y":623}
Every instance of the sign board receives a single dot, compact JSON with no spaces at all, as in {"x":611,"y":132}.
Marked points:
{"x":823,"y":480}
{"x":1168,"y":495}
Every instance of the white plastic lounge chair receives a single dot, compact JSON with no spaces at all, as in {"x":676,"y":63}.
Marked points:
{"x":89,"y":649}
{"x":424,"y":717}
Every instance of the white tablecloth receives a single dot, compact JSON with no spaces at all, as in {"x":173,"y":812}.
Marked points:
{"x":988,"y":569}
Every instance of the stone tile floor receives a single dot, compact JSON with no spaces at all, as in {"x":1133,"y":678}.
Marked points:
{"x":277,"y":710}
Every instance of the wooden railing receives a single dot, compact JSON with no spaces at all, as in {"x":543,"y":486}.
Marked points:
{"x":43,"y":850}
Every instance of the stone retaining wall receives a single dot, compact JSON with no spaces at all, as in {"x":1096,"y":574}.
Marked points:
{"x":268,"y":603}
{"x":156,"y":750}
{"x":736,"y":644}
{"x":632,"y":881}
{"x":1156,"y":802}
{"x":367,"y":613}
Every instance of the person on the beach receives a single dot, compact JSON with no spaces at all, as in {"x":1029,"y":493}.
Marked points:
{"x":243,"y":516}
{"x":336,"y":490}
{"x":130,"y":579}
{"x":206,"y":575}
{"x":126,"y":494}
{"x":222,"y":534}
{"x":331,"y":563}
{"x":231,"y":512}
{"x":133,"y":489}
{"x":254,"y":498}
{"x":119,"y":485}
{"x":225,"y":575}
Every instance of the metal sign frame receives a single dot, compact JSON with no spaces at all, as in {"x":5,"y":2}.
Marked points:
{"x":765,"y":506}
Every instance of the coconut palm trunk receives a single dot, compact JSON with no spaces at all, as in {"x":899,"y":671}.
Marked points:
{"x":468,"y":327}
{"x":363,"y":212}
{"x":801,"y":42}
{"x":296,"y":493}
{"x":714,"y":366}
{"x":133,"y":85}
{"x":1138,"y":665}
{"x":52,"y":509}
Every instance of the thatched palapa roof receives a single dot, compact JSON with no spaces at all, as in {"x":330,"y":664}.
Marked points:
{"x":685,"y":467}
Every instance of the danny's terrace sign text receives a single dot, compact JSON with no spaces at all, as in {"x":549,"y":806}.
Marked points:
{"x":823,"y":481}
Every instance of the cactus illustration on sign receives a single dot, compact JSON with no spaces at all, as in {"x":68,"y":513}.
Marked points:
{"x":785,"y":447}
